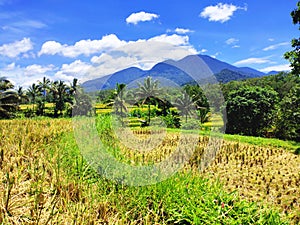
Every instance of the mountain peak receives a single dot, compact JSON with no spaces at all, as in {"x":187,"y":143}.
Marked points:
{"x":185,"y":70}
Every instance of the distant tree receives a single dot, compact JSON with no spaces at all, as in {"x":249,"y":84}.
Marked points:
{"x":288,"y":126}
{"x":44,"y":86}
{"x":251,"y":110}
{"x":60,"y":92}
{"x":82,"y":104}
{"x":294,"y":55}
{"x":5,"y":84}
{"x":8,"y":99}
{"x":33,"y":93}
{"x":197,"y":95}
{"x":185,"y":105}
{"x":22,"y":95}
{"x":148,"y":92}
{"x":73,"y":86}
{"x":118,"y":100}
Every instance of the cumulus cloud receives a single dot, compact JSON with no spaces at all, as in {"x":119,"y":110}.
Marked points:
{"x":109,"y":56}
{"x":82,"y":47}
{"x":284,"y":67}
{"x":220,"y":12}
{"x":252,"y":61}
{"x":273,"y":47}
{"x":16,"y":48}
{"x":135,"y":18}
{"x":35,"y":69}
{"x":25,"y":76}
{"x":143,"y":54}
{"x":107,"y":43}
{"x":76,"y":69}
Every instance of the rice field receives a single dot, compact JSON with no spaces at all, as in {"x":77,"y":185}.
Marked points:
{"x":46,"y":180}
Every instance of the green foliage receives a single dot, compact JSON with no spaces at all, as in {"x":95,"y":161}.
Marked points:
{"x":172,"y":120}
{"x":288,"y":126}
{"x":148,"y":92}
{"x":8,"y":99}
{"x":294,"y":55}
{"x":82,"y":105}
{"x":250,"y":110}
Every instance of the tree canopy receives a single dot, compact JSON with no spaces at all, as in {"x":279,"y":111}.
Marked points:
{"x":294,"y":55}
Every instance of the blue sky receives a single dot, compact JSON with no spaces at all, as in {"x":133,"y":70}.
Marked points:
{"x":63,"y":39}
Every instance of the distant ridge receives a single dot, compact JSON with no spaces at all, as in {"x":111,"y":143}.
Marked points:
{"x":177,"y":72}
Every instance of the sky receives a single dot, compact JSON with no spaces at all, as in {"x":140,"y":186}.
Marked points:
{"x":64,"y":39}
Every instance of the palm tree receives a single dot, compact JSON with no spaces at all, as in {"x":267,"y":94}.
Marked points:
{"x":44,"y":86}
{"x":73,"y":87}
{"x":8,"y":98}
{"x":5,"y":84}
{"x":22,"y":95}
{"x":185,"y":105}
{"x":148,"y":92}
{"x":33,"y":92}
{"x":60,"y":93}
{"x":118,"y":100}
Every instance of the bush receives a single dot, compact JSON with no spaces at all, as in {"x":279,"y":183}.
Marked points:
{"x":171,"y":120}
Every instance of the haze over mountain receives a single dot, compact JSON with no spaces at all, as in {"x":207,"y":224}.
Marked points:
{"x":191,"y":69}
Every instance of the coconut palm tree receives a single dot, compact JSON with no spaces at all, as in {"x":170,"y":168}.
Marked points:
{"x":148,"y":92}
{"x":73,"y":87}
{"x":60,"y":92}
{"x":22,"y":95}
{"x":185,"y":105}
{"x":118,"y":100}
{"x":44,"y":86}
{"x":8,"y":98}
{"x":5,"y":84}
{"x":33,"y":93}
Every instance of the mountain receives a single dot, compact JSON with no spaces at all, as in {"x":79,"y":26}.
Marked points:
{"x":200,"y":68}
{"x":273,"y":72}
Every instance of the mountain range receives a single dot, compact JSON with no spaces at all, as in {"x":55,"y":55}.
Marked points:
{"x":190,"y":69}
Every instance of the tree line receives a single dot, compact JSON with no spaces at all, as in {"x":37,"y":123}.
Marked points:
{"x":61,"y":95}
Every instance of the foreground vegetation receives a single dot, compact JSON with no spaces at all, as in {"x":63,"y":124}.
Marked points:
{"x":45,"y":180}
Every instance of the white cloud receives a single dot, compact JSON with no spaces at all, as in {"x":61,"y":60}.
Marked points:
{"x":35,"y":69}
{"x":16,"y":48}
{"x":143,"y":54}
{"x":183,"y":31}
{"x":273,"y":47}
{"x":271,"y":39}
{"x":135,"y":18}
{"x":284,"y":67}
{"x":252,"y":61}
{"x":51,"y":48}
{"x":220,"y":12}
{"x":216,"y":55}
{"x":25,"y":76}
{"x":203,"y":50}
{"x":113,"y":55}
{"x":76,"y":69}
{"x":82,"y":47}
{"x":171,"y":39}
{"x":231,"y":41}
{"x":107,"y":43}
